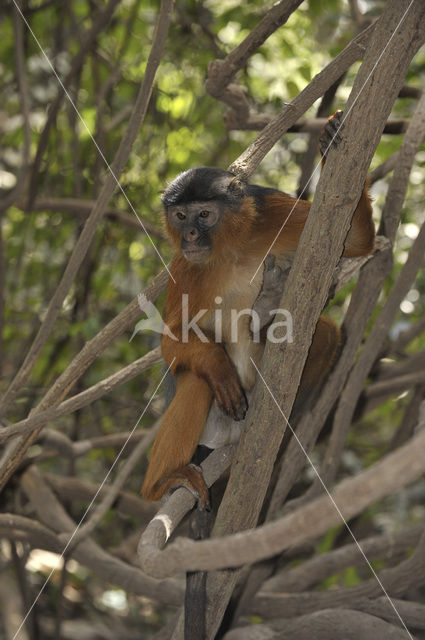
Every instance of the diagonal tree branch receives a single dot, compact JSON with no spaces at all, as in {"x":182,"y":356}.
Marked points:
{"x":309,"y":280}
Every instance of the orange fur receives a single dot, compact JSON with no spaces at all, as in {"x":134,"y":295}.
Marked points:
{"x":178,"y":435}
{"x":205,"y":369}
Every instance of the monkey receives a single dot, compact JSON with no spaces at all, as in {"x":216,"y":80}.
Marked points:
{"x":221,"y":228}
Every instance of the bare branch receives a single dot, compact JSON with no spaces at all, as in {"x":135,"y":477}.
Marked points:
{"x":386,"y":167}
{"x":323,"y":625}
{"x":352,"y":496}
{"x":178,"y":504}
{"x":410,"y":418}
{"x":82,"y":399}
{"x":113,"y":490}
{"x":322,"y":566}
{"x":90,"y":554}
{"x":78,"y":366}
{"x":83,"y":208}
{"x":221,"y":72}
{"x":69,"y":489}
{"x":251,"y":158}
{"x":394,"y":385}
{"x":307,"y":125}
{"x":370,"y":351}
{"x":396,"y":581}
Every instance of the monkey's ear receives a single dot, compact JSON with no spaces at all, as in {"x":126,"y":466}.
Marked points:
{"x":236,"y":187}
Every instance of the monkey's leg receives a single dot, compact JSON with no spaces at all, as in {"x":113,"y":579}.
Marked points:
{"x":267,"y":301}
{"x":323,"y":353}
{"x":176,"y":441}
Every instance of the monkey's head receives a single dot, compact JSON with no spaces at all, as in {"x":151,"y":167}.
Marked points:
{"x":197,"y":204}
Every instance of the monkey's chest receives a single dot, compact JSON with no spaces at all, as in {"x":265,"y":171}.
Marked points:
{"x":229,"y":321}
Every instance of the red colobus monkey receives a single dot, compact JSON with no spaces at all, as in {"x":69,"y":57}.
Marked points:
{"x":221,"y":229}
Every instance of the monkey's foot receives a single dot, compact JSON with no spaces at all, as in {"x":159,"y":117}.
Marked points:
{"x":189,"y":477}
{"x":330,"y":135}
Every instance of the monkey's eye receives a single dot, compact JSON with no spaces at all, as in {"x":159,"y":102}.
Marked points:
{"x":204,"y":214}
{"x":180,"y":215}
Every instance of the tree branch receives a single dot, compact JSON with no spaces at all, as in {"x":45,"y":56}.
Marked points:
{"x":82,"y":399}
{"x":254,"y":154}
{"x":352,"y":496}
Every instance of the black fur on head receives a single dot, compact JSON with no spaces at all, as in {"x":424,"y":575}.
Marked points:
{"x":204,"y":183}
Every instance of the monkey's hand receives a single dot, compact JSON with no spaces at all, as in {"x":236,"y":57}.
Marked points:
{"x":268,"y":299}
{"x":224,"y":383}
{"x":330,"y":135}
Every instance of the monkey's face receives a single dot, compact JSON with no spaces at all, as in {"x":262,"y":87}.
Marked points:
{"x":194,"y":223}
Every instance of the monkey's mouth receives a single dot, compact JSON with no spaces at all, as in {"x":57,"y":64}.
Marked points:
{"x":197,"y":254}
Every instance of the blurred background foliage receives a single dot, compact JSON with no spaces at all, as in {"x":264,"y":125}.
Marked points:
{"x":184,"y":128}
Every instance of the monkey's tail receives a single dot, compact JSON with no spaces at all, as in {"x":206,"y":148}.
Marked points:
{"x":195,"y":601}
{"x":178,"y":437}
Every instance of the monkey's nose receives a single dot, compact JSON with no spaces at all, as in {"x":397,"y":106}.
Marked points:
{"x":191,"y":235}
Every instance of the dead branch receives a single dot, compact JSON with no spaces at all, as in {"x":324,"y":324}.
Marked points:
{"x":352,"y":496}
{"x":408,"y":364}
{"x":80,"y":363}
{"x":20,"y":528}
{"x":323,"y":625}
{"x":395,"y":580}
{"x":108,"y":568}
{"x":322,"y":566}
{"x":57,"y":443}
{"x":221,"y":72}
{"x":387,"y":388}
{"x":254,"y":154}
{"x":370,"y":351}
{"x":411,"y":417}
{"x":320,"y":248}
{"x":70,"y":489}
{"x":176,"y":507}
{"x":309,"y":156}
{"x":413,"y":613}
{"x":82,"y":399}
{"x":386,"y":167}
{"x":82,"y":208}
{"x":307,"y":125}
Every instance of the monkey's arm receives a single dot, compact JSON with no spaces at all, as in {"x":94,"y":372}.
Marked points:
{"x":288,"y":215}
